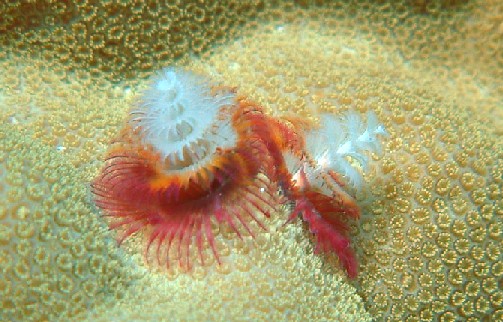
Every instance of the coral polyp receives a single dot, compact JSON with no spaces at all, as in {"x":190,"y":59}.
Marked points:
{"x":195,"y":155}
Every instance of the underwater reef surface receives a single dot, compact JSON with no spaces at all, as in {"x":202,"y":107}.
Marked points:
{"x":431,"y":225}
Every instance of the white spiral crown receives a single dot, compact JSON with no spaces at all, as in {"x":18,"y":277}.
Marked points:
{"x":180,"y":117}
{"x":339,"y":140}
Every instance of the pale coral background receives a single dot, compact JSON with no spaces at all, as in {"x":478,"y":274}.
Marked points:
{"x":430,"y":234}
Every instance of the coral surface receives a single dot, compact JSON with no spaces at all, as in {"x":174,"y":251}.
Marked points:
{"x":430,"y":230}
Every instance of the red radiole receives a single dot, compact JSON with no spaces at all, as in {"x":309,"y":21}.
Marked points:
{"x":194,"y":156}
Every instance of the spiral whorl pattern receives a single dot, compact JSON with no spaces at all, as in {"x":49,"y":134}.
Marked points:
{"x":349,"y":139}
{"x":179,"y":115}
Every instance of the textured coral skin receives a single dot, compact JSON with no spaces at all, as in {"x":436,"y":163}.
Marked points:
{"x":238,"y":186}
